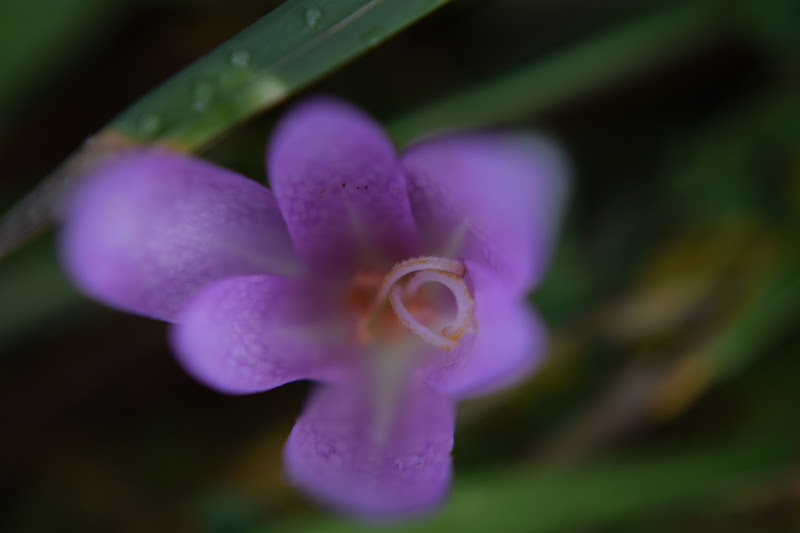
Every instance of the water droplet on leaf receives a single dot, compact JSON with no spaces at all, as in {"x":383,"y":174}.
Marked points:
{"x":202,"y":95}
{"x":148,"y":125}
{"x":372,"y":36}
{"x":240,"y":58}
{"x":312,"y":16}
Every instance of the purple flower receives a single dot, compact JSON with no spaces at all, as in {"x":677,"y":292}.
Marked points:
{"x":398,"y":284}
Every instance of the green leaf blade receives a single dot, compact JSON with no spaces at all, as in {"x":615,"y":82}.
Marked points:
{"x":290,"y":47}
{"x":284,"y":51}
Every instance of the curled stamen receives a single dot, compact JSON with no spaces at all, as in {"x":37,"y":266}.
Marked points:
{"x":418,"y":329}
{"x":464,"y":303}
{"x":449,"y":273}
{"x":409,"y":266}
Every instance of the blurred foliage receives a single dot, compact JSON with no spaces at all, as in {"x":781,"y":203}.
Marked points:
{"x":668,"y":401}
{"x":37,"y":35}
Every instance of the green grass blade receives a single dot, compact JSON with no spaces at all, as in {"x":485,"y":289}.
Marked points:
{"x":591,"y":496}
{"x":602,"y":494}
{"x":573,"y":71}
{"x":771,"y":310}
{"x":286,"y":50}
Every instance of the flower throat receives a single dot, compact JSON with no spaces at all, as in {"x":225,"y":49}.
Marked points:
{"x":408,"y":306}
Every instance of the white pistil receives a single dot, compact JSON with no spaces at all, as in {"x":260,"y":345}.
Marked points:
{"x":429,"y":269}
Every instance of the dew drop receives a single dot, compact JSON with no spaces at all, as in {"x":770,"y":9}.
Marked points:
{"x":312,"y":16}
{"x":240,"y":58}
{"x":372,"y":36}
{"x":148,"y":125}
{"x":202,"y":95}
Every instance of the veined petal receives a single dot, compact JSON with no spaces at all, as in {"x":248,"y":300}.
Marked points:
{"x":508,"y":344}
{"x":253,"y":333}
{"x":489,"y":197}
{"x":339,"y":185}
{"x":152,"y":226}
{"x":338,"y":454}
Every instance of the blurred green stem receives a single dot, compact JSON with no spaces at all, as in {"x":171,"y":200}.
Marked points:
{"x":569,"y":73}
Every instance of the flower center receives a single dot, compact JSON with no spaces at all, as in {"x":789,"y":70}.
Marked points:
{"x":410,"y":306}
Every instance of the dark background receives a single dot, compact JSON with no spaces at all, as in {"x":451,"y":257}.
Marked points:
{"x":669,"y":400}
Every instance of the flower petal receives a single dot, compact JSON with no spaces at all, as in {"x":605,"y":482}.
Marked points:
{"x":489,"y":197}
{"x":152,"y":226}
{"x":336,"y":455}
{"x":253,"y":333}
{"x":508,"y":345}
{"x":340,"y":188}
